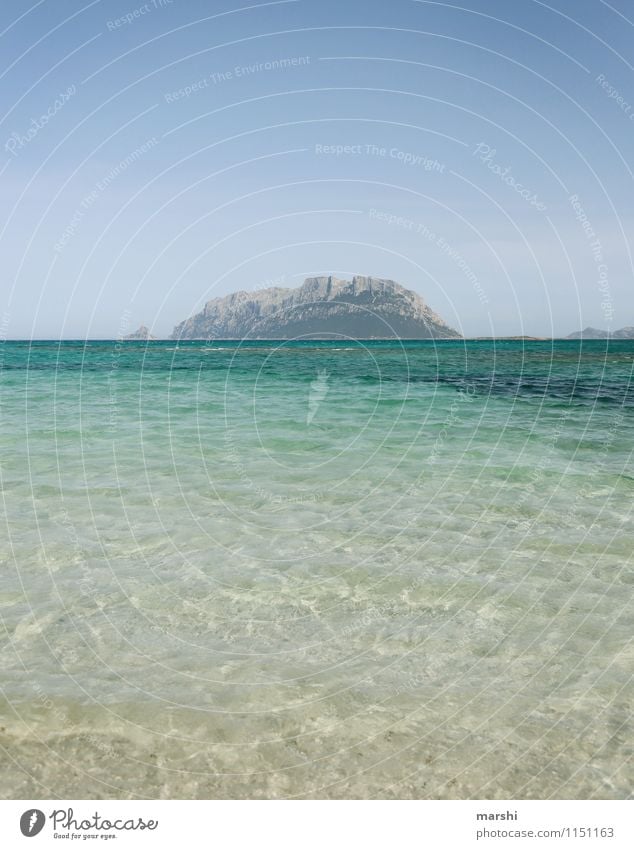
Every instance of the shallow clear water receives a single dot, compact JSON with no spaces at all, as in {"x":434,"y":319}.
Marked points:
{"x":316,"y":569}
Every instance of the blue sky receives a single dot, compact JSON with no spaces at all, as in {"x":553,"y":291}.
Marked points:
{"x":155,"y":155}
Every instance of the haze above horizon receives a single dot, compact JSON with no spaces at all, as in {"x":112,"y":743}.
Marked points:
{"x":154,"y":156}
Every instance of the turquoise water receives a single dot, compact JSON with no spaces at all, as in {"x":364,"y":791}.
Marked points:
{"x":330,"y":569}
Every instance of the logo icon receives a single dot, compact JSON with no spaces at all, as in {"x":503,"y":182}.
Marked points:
{"x":32,"y":822}
{"x":317,"y":393}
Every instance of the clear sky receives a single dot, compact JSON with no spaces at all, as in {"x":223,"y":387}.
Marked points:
{"x":155,"y":155}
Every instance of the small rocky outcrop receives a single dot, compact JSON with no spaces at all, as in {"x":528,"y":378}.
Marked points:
{"x":141,"y":335}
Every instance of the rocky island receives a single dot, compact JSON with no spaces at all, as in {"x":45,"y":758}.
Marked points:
{"x":595,"y":333}
{"x":141,"y":335}
{"x":321,"y":308}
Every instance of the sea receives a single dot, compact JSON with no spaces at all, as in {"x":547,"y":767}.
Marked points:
{"x":316,"y":569}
